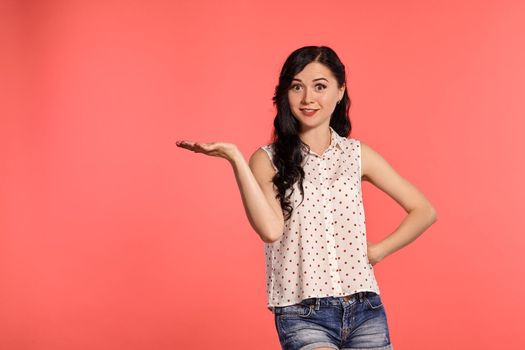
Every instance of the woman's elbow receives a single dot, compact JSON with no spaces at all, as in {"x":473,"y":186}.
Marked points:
{"x":274,"y":236}
{"x":433,"y":214}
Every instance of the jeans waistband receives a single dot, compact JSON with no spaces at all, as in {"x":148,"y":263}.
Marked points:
{"x":316,"y":302}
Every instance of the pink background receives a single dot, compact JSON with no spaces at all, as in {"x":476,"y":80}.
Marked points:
{"x":111,"y":237}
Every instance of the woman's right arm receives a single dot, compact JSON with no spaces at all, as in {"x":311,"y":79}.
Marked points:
{"x":258,"y":194}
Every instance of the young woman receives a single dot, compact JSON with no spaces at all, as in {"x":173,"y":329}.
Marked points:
{"x":302,"y":195}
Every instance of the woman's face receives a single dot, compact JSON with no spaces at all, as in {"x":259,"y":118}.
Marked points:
{"x":313,"y":95}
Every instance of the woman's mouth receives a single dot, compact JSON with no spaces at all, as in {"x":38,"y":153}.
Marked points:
{"x":308,"y":112}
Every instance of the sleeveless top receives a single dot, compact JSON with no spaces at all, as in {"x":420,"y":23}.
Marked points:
{"x":323,"y":249}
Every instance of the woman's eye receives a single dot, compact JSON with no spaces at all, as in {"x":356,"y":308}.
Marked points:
{"x":296,"y":87}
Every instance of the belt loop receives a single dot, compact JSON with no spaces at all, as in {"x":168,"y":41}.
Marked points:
{"x":317,"y":303}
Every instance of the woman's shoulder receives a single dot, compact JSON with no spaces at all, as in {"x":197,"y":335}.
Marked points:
{"x":269,"y":148}
{"x":352,"y":141}
{"x":258,"y":155}
{"x":265,"y":148}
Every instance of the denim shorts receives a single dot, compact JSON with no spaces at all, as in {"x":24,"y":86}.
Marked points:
{"x":358,"y":323}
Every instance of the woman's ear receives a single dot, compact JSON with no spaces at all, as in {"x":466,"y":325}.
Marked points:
{"x":342,"y":91}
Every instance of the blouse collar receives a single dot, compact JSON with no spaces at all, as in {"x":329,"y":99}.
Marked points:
{"x":335,"y":141}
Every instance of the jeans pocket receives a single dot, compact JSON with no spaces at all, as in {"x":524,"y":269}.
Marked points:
{"x":373,"y":301}
{"x":294,"y":311}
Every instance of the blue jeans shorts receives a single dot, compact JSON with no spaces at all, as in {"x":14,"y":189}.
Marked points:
{"x":354,"y":322}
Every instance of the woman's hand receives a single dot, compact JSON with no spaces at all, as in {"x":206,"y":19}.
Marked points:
{"x":374,"y":253}
{"x":217,"y":149}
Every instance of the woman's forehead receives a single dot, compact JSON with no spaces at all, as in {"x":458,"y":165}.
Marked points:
{"x":313,"y":71}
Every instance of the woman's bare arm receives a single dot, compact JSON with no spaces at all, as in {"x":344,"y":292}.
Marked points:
{"x":421,"y":213}
{"x":258,"y":195}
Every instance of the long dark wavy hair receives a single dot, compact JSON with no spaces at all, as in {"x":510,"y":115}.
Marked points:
{"x":287,"y":145}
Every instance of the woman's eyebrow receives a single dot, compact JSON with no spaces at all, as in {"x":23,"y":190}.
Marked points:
{"x":312,"y":80}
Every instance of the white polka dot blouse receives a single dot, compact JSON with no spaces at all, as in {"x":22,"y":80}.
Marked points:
{"x":323,"y":249}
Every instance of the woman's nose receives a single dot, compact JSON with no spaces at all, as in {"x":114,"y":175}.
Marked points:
{"x":307,"y":97}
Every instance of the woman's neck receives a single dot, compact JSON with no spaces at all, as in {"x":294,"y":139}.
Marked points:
{"x":318,"y":139}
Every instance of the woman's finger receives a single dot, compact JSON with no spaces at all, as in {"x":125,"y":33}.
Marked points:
{"x":204,"y":146}
{"x":199,"y":147}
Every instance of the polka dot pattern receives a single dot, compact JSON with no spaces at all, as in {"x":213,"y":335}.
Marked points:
{"x":323,"y":249}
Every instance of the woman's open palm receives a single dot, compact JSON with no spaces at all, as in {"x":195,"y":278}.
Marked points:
{"x":216,"y":149}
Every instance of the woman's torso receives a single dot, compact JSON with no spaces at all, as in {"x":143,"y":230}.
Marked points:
{"x":323,"y":249}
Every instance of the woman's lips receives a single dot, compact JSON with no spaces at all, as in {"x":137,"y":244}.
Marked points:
{"x":308,"y":112}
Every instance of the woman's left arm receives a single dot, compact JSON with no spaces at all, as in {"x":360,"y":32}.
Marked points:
{"x":421,"y":214}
